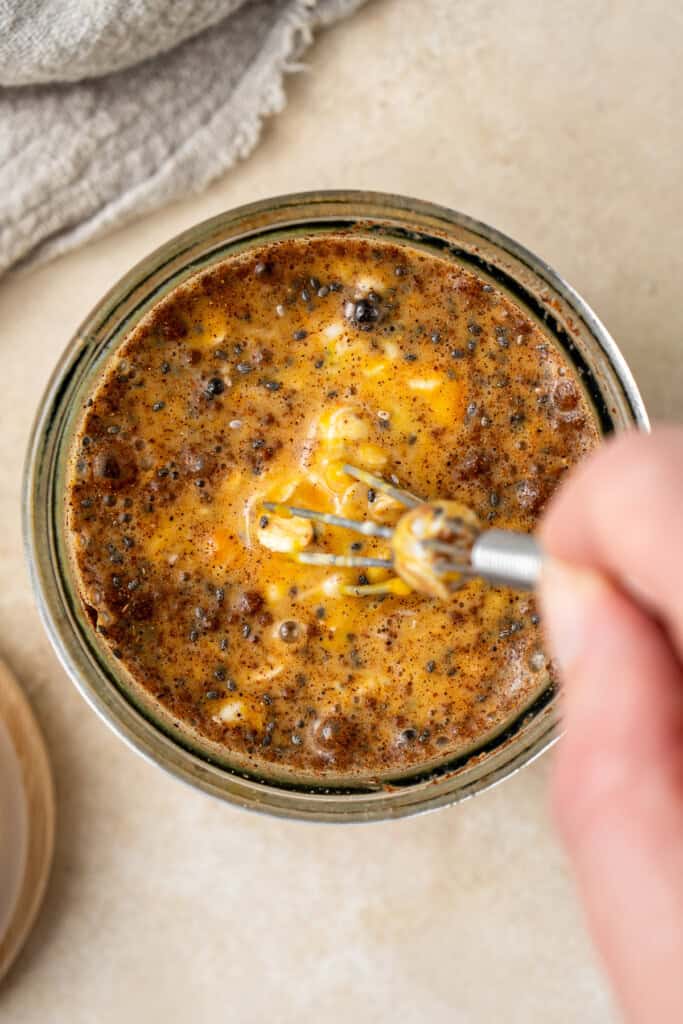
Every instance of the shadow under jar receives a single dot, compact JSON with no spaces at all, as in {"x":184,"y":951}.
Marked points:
{"x":349,"y":278}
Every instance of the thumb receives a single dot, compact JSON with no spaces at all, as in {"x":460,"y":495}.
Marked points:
{"x":618,"y":792}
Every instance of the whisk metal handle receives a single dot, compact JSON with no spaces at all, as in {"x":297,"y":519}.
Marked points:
{"x":507,"y":557}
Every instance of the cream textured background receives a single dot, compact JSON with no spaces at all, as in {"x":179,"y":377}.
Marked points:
{"x":560,"y":124}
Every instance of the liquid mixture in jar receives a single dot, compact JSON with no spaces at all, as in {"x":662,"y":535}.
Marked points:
{"x":257,"y":382}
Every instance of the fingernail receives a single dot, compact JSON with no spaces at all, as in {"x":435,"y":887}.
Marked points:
{"x":568,"y":600}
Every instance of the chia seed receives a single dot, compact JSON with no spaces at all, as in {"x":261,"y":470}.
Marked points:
{"x":300,"y":335}
{"x":355,"y":657}
{"x":115,"y":556}
{"x":244,"y":367}
{"x":289,"y":631}
{"x":215,"y":386}
{"x":158,"y":406}
{"x":364,"y":313}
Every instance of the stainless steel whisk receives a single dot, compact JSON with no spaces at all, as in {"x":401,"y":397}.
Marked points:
{"x":435,"y":546}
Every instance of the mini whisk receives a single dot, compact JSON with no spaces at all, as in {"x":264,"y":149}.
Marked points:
{"x":434,"y":548}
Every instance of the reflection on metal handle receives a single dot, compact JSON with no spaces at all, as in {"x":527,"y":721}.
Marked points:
{"x":504,"y":556}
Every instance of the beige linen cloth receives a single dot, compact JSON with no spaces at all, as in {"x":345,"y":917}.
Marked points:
{"x":109,"y":108}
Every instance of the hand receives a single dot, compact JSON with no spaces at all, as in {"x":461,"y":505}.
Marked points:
{"x":612,"y":603}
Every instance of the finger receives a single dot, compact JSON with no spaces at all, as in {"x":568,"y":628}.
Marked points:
{"x":622,"y":511}
{"x":618,"y":793}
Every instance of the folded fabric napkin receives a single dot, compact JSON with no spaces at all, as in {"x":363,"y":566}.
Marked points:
{"x":109,"y":109}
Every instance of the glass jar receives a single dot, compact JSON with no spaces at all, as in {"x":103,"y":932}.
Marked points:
{"x":564,"y":316}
